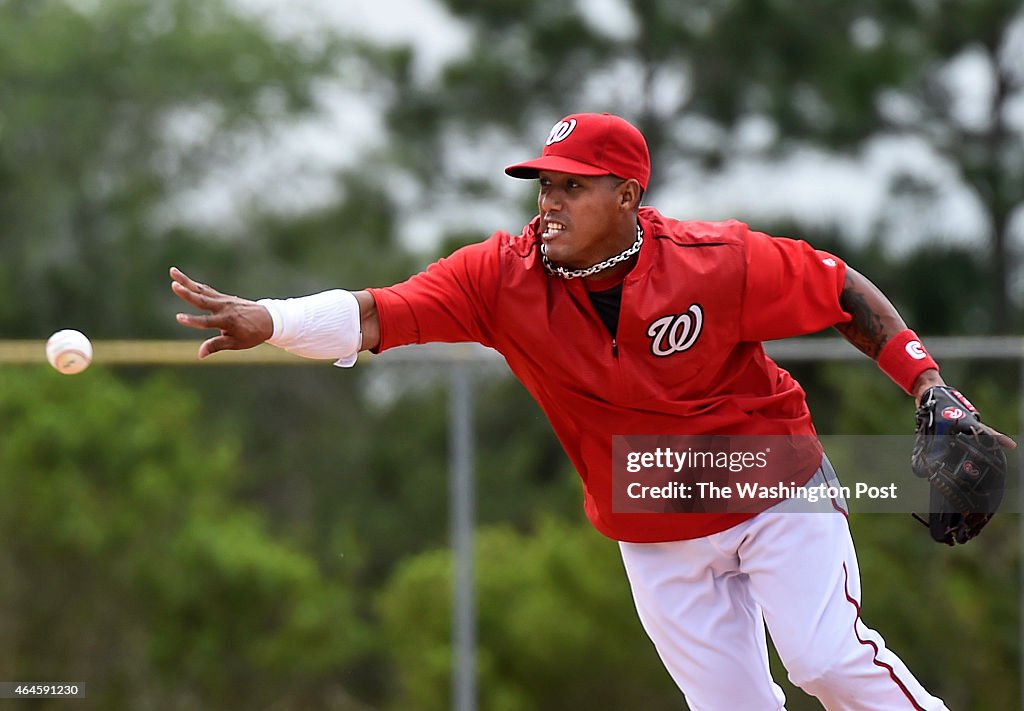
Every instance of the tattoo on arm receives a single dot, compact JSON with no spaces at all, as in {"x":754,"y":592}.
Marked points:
{"x":864,"y":330}
{"x":874,"y":319}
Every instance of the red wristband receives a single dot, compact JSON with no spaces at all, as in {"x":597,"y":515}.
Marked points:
{"x":904,"y":358}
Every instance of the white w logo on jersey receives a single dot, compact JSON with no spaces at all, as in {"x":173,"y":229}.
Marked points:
{"x":676,"y":333}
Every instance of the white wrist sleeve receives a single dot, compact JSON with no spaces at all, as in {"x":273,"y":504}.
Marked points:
{"x":324,"y":325}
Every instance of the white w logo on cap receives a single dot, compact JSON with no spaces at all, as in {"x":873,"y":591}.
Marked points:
{"x":560,"y":131}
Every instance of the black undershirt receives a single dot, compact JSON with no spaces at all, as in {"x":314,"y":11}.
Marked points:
{"x":606,"y":303}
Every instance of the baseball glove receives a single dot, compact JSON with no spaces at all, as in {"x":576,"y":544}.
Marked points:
{"x":962,"y":461}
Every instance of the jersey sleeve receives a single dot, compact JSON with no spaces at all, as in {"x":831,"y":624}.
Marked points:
{"x":448,"y":302}
{"x":790,"y":289}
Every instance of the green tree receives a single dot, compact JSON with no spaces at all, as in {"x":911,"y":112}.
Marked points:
{"x":557,"y":629}
{"x":129,"y":565}
{"x":107,"y":109}
{"x":833,"y":75}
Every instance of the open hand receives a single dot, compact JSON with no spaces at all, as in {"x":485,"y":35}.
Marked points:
{"x":242,"y":323}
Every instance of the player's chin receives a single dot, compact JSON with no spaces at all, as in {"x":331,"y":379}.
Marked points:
{"x":561,"y":254}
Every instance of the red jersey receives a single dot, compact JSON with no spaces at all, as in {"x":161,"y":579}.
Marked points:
{"x":686,"y":358}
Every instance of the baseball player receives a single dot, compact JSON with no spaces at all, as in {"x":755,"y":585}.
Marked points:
{"x":622,"y":321}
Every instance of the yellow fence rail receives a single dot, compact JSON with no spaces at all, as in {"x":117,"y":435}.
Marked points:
{"x":184,"y":352}
{"x":150,"y":353}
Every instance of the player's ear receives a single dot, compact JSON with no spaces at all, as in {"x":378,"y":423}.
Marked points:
{"x":630,"y":193}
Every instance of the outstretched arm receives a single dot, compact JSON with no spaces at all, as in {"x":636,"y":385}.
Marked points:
{"x":244,"y":323}
{"x":874,"y":322}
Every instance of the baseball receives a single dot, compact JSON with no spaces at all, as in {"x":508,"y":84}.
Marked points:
{"x":69,"y":351}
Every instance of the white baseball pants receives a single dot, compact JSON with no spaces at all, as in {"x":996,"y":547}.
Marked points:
{"x":705,"y":603}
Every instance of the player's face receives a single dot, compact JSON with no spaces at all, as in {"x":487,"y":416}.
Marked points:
{"x":582,"y":218}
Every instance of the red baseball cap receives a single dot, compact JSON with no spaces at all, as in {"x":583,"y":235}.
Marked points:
{"x":591,"y":144}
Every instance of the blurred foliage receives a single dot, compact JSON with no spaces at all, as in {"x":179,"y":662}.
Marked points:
{"x":128,"y":563}
{"x":91,"y":98}
{"x":275,"y":537}
{"x":833,"y":75}
{"x":556,"y":624}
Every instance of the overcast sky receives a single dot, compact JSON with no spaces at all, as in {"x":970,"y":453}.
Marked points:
{"x":817,"y":189}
